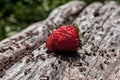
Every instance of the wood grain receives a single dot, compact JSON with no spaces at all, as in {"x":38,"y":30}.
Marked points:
{"x":98,"y":60}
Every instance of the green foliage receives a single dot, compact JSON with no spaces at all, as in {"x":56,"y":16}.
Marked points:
{"x":15,"y":15}
{"x":118,"y":1}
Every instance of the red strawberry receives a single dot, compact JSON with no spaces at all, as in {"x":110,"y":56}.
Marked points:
{"x":64,"y":39}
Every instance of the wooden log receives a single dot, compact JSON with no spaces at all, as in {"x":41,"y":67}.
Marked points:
{"x":98,"y":29}
{"x":98,"y":60}
{"x":16,"y":47}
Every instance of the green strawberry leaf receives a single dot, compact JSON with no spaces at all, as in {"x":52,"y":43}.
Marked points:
{"x":79,"y":33}
{"x":83,"y":33}
{"x":78,"y":30}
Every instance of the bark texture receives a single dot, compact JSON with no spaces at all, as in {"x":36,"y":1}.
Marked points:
{"x":25,"y":57}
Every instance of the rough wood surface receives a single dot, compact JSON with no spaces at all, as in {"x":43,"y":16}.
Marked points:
{"x":14,"y":48}
{"x":25,"y":57}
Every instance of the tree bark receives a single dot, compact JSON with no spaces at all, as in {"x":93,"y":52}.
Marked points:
{"x":25,"y":56}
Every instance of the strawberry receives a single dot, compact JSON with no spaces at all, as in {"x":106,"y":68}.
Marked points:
{"x":64,"y":39}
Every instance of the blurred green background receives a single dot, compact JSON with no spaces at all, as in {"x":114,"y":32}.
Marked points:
{"x":15,"y":15}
